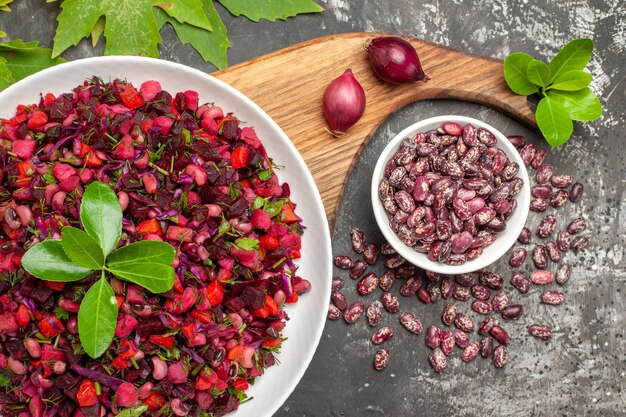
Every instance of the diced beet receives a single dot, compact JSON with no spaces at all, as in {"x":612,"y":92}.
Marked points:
{"x":252,"y":297}
{"x":229,"y":129}
{"x":24,"y":148}
{"x":15,"y":347}
{"x":149,"y":89}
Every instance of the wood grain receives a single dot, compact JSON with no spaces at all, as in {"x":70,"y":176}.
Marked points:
{"x":288,"y":84}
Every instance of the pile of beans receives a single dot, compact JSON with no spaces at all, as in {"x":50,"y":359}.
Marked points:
{"x":491,"y":308}
{"x":449,"y":192}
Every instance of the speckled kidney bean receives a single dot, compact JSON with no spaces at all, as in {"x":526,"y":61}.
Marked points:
{"x":486,"y":346}
{"x":386,"y":249}
{"x":433,"y":337}
{"x":562,"y":181}
{"x":357,"y":236}
{"x":563,"y":240}
{"x":510,"y":171}
{"x":540,"y":256}
{"x":438,"y":360}
{"x":547,"y":226}
{"x":521,"y":282}
{"x":374,"y":314}
{"x":353,"y":312}
{"x":491,"y":280}
{"x":337,"y":283}
{"x":540,"y":331}
{"x":405,"y":271}
{"x":482,"y":307}
{"x":460,"y":338}
{"x":500,"y":356}
{"x":500,"y":193}
{"x":448,"y":314}
{"x":542,"y":277}
{"x":486,"y":326}
{"x":434,"y":292}
{"x":384,"y":189}
{"x":559,"y":198}
{"x":443,"y":229}
{"x":461,"y":293}
{"x":390,"y":302}
{"x":333,"y":312}
{"x":576,"y":192}
{"x":499,"y":334}
{"x":423,"y":295}
{"x":461,"y":242}
{"x":390,"y":205}
{"x":475,"y":204}
{"x":500,"y":301}
{"x":538,"y":205}
{"x":447,"y":342}
{"x":503,"y":206}
{"x":470,"y":352}
{"x":553,"y":251}
{"x":528,"y":153}
{"x":540,"y":155}
{"x":367,"y":284}
{"x":541,"y":191}
{"x":411,"y":323}
{"x":579,"y":243}
{"x":370,"y":254}
{"x":464,"y":323}
{"x":481,"y":292}
{"x":357,"y":269}
{"x":410,"y":286}
{"x":512,"y":312}
{"x":394,"y":261}
{"x":396,"y":175}
{"x":516,"y":185}
{"x":404,"y":201}
{"x":469,"y":135}
{"x":339,"y":299}
{"x":517,"y":140}
{"x":447,"y":288}
{"x":553,"y":297}
{"x":381,"y":359}
{"x":525,"y":236}
{"x":445,"y":251}
{"x":343,"y":262}
{"x":484,"y":216}
{"x":386,"y":280}
{"x":576,"y":226}
{"x":517,"y":257}
{"x":382,"y":335}
{"x":544,"y":174}
{"x":562,"y":274}
{"x":466,"y":280}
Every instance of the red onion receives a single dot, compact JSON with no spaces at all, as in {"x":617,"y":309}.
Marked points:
{"x":344,"y":103}
{"x":395,"y":60}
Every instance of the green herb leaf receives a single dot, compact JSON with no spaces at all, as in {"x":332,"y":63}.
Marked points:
{"x":97,"y":318}
{"x":101,"y":215}
{"x":133,"y":412}
{"x":258,"y":202}
{"x":22,"y":59}
{"x":515,"y":69}
{"x":582,"y":105}
{"x":270,"y":9}
{"x":573,"y":56}
{"x":47,"y":260}
{"x":5,"y":381}
{"x":553,"y":121}
{"x":81,"y":248}
{"x":145,"y":251}
{"x":156,"y":278}
{"x":6,"y":78}
{"x":538,"y":73}
{"x":273,"y":209}
{"x":247,"y":243}
{"x":571,"y":81}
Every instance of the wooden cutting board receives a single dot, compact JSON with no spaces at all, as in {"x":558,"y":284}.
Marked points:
{"x":288,"y":84}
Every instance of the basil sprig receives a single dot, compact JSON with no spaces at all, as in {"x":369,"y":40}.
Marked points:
{"x":562,"y":85}
{"x":91,"y":253}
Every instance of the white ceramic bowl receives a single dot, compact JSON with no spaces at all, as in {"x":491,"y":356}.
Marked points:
{"x":308,"y":316}
{"x":505,"y":240}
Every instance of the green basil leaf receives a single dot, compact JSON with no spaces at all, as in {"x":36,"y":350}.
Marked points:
{"x":553,"y":121}
{"x":81,"y":248}
{"x":97,"y":318}
{"x":101,"y":215}
{"x":538,"y":73}
{"x":573,"y":56}
{"x":133,"y":412}
{"x":571,"y":81}
{"x":47,"y":260}
{"x":515,"y":68}
{"x":156,"y":278}
{"x":145,"y":251}
{"x":582,"y":106}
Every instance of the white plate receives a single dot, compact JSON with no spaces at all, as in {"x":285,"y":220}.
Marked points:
{"x":308,"y":316}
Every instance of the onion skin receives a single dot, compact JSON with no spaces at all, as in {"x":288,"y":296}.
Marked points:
{"x":395,"y":60}
{"x":344,"y":103}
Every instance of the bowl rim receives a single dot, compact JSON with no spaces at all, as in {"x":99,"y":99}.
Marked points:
{"x":506,"y":239}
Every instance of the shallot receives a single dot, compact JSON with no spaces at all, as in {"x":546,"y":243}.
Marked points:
{"x":344,"y":103}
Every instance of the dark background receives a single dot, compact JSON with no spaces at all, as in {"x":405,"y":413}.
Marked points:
{"x":582,"y":370}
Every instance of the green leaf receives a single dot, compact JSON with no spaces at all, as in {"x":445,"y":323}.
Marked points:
{"x":571,"y":81}
{"x":582,"y":105}
{"x":23,"y":59}
{"x":538,"y":73}
{"x":573,"y":56}
{"x":47,"y":260}
{"x":6,"y":78}
{"x":270,"y":9}
{"x":211,"y":45}
{"x":97,"y":318}
{"x":515,"y":69}
{"x":97,"y":31}
{"x":275,"y":208}
{"x":247,"y":243}
{"x":81,"y":248}
{"x":145,"y":251}
{"x":101,"y":215}
{"x":553,"y":121}
{"x":133,"y":412}
{"x":130,"y":26}
{"x":4,"y":5}
{"x":156,"y":278}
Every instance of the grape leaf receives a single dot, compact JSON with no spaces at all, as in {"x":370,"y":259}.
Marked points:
{"x":553,"y":121}
{"x":23,"y":59}
{"x":6,"y":78}
{"x":582,"y":106}
{"x":212,"y":45}
{"x":130,"y":25}
{"x":270,"y":9}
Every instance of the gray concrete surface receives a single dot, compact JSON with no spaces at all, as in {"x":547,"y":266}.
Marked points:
{"x":582,"y":370}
